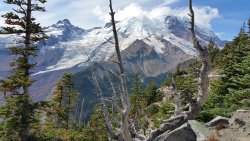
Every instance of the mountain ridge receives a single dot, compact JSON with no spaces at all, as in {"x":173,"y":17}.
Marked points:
{"x":72,"y":49}
{"x":95,"y":44}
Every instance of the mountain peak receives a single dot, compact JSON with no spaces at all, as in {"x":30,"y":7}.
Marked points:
{"x":64,"y":22}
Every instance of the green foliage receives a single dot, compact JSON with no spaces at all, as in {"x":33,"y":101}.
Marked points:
{"x":96,"y":129}
{"x":164,"y":111}
{"x":58,"y":123}
{"x":184,"y":78}
{"x":17,"y":117}
{"x":18,"y":110}
{"x":232,"y":92}
{"x":138,"y":104}
{"x":63,"y":102}
{"x":151,"y":94}
{"x":214,"y":53}
{"x":152,"y":109}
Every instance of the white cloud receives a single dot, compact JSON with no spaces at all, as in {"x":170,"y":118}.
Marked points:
{"x":203,"y":14}
{"x":159,"y":12}
{"x":91,"y":13}
{"x":220,"y":34}
{"x":169,"y":2}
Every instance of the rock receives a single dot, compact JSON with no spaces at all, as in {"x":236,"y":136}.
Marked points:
{"x":190,"y":131}
{"x":239,"y":127}
{"x":218,"y":121}
{"x":240,"y":118}
{"x":200,"y":130}
{"x":183,"y":133}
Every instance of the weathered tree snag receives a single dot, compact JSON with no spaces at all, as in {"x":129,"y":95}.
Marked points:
{"x":108,"y":124}
{"x":206,"y":63}
{"x":203,"y":84}
{"x":124,"y":130}
{"x":176,"y":98}
{"x":123,"y":109}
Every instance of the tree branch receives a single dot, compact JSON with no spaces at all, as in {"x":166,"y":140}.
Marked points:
{"x":195,"y":105}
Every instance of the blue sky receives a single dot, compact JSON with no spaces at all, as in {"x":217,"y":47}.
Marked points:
{"x":224,"y":17}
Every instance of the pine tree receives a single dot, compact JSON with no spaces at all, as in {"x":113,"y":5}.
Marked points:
{"x":214,"y":52}
{"x":95,"y":129}
{"x":231,"y":92}
{"x":248,"y":27}
{"x":151,"y":94}
{"x":138,"y":103}
{"x":60,"y":123}
{"x":18,"y":110}
{"x":63,"y":103}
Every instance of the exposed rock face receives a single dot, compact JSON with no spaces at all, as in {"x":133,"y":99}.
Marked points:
{"x":140,"y":57}
{"x":69,"y":31}
{"x":219,"y":129}
{"x":239,"y":129}
{"x":218,"y":120}
{"x":200,"y":130}
{"x":148,"y":47}
{"x":240,"y":118}
{"x":191,"y":131}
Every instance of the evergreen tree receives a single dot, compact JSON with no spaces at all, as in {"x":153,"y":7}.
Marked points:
{"x":18,"y":110}
{"x":231,"y":92}
{"x":184,"y":77}
{"x":60,"y":123}
{"x":96,"y":129}
{"x":248,"y":27}
{"x":138,"y":104}
{"x":151,"y":94}
{"x":63,"y":103}
{"x":214,"y":53}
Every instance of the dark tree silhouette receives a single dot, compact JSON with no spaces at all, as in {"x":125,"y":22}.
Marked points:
{"x":18,"y":110}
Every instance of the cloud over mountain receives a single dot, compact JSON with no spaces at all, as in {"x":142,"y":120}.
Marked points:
{"x":204,"y":14}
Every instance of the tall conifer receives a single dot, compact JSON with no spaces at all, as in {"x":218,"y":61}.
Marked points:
{"x":18,"y":110}
{"x":63,"y":103}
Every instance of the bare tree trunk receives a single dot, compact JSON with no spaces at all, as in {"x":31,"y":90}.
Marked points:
{"x":202,"y":96}
{"x":124,"y":97}
{"x":123,"y":109}
{"x":108,"y":124}
{"x":81,"y":112}
{"x":205,"y":59}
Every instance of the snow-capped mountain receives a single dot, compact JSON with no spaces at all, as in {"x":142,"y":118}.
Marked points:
{"x":81,"y":47}
{"x":149,"y":46}
{"x":63,"y":31}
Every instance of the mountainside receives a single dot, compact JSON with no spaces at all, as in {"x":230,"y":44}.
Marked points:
{"x":81,"y":47}
{"x":149,"y":47}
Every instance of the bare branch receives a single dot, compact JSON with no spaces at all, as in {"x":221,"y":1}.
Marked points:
{"x":216,"y":76}
{"x":108,"y":40}
{"x":203,"y":83}
{"x":104,"y":109}
{"x":124,"y":129}
{"x":113,"y":101}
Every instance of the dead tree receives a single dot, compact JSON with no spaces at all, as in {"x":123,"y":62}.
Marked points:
{"x":196,"y":103}
{"x":122,"y":105}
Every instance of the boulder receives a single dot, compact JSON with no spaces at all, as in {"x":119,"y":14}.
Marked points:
{"x":240,"y":118}
{"x":219,"y":120}
{"x":239,"y":127}
{"x":190,"y":131}
{"x":200,"y":130}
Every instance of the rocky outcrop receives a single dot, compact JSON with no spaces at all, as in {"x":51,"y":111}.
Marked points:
{"x":240,"y":119}
{"x":191,"y":131}
{"x":140,"y":57}
{"x":217,"y":121}
{"x":220,"y":128}
{"x":239,"y":128}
